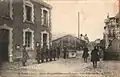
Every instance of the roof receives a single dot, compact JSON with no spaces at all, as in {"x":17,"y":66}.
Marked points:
{"x":66,"y":36}
{"x":43,"y":3}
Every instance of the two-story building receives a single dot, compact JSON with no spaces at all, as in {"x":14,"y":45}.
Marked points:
{"x":23,"y":22}
{"x":112,"y":37}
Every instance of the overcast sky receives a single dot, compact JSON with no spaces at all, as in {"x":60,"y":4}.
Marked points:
{"x":92,"y":15}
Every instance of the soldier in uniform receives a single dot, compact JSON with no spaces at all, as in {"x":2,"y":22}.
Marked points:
{"x":38,"y":53}
{"x":94,"y":56}
{"x":46,"y":53}
{"x":65,"y":52}
{"x":54,"y":53}
{"x":42,"y":55}
{"x":25,"y":55}
{"x":58,"y":52}
{"x":51,"y":53}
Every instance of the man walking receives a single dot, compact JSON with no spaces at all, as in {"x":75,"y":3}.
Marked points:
{"x":85,"y":54}
{"x":94,"y":56}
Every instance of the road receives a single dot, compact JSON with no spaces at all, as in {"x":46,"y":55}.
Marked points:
{"x":74,"y":67}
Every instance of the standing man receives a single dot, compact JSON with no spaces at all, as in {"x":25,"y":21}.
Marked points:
{"x":58,"y":52}
{"x":38,"y":53}
{"x":42,"y":54}
{"x":50,"y":50}
{"x":65,"y":52}
{"x":85,"y":54}
{"x":94,"y":56}
{"x":101,"y":53}
{"x":46,"y":51}
{"x":25,"y":56}
{"x":54,"y":53}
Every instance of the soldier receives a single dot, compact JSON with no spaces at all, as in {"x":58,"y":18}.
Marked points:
{"x":94,"y":56}
{"x":51,"y":53}
{"x":58,"y":52}
{"x":38,"y":53}
{"x":42,"y":55}
{"x":85,"y":54}
{"x":46,"y":51}
{"x":25,"y":55}
{"x":54,"y":53}
{"x":65,"y":52}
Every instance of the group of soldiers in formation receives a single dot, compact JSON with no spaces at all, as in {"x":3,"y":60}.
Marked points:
{"x":97,"y":54}
{"x":42,"y":54}
{"x":54,"y":52}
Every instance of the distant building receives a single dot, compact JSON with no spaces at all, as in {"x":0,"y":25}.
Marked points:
{"x":68,"y":41}
{"x":112,"y":37}
{"x":23,"y":22}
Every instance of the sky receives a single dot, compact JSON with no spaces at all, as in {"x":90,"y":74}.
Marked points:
{"x":92,"y":15}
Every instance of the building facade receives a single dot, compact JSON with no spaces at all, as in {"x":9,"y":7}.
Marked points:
{"x":112,"y":37}
{"x":23,"y":22}
{"x":69,"y":42}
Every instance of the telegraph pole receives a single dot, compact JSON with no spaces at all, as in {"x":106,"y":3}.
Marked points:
{"x":78,"y":26}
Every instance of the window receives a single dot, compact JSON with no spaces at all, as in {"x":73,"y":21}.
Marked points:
{"x":28,"y":12}
{"x":45,"y":16}
{"x":44,"y":39}
{"x":28,"y":39}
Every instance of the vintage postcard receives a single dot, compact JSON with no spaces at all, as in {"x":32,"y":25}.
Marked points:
{"x":59,"y":38}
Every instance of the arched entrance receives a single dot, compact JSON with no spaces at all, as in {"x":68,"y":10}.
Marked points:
{"x":4,"y":42}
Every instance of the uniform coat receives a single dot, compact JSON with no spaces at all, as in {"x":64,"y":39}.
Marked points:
{"x":85,"y":53}
{"x":94,"y":55}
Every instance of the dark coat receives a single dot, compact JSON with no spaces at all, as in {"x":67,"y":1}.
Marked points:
{"x":54,"y":52}
{"x":85,"y":53}
{"x":25,"y":55}
{"x":38,"y":53}
{"x":94,"y":55}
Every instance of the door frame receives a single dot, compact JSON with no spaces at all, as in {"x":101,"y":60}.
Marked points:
{"x":44,"y":32}
{"x":10,"y":45}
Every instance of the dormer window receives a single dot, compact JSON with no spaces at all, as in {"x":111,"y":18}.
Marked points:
{"x":28,"y":12}
{"x":45,"y":16}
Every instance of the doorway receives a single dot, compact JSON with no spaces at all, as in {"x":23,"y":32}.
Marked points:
{"x":4,"y":43}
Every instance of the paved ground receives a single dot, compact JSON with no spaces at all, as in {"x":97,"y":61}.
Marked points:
{"x":74,"y":67}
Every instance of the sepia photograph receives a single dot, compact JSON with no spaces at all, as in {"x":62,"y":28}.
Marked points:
{"x":59,"y":38}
